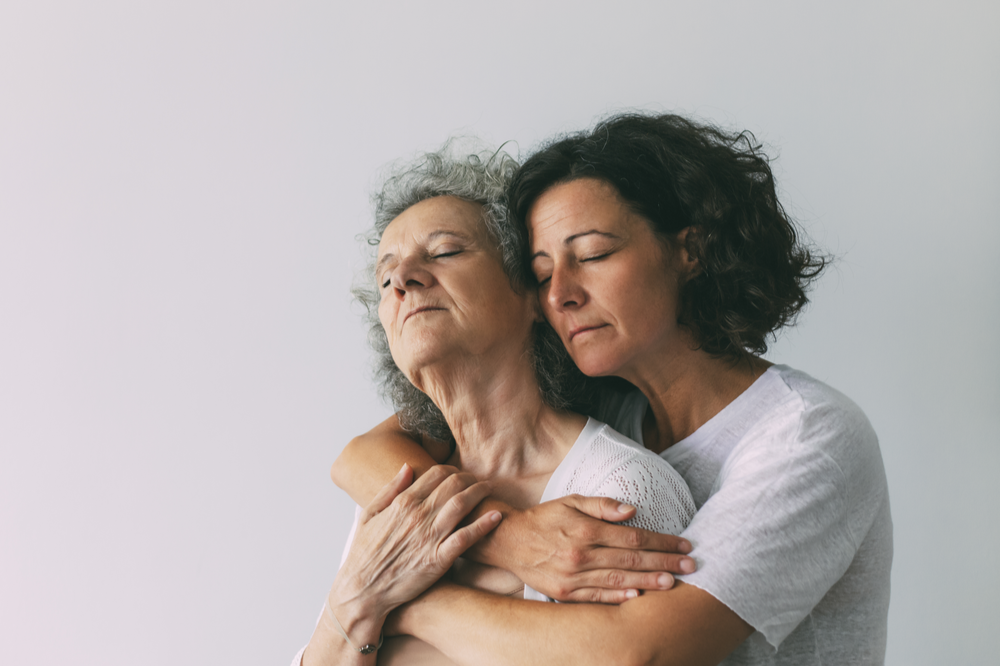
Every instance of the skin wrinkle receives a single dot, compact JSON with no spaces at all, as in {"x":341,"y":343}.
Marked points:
{"x":476,"y":346}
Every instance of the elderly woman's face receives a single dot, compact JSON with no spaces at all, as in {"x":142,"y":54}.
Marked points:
{"x":445,"y":295}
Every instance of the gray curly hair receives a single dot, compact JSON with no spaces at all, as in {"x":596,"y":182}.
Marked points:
{"x":465,"y":170}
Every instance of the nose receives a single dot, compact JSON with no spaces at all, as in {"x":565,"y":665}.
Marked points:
{"x":410,"y":274}
{"x":564,"y":290}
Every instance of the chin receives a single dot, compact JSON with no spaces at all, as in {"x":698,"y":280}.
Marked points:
{"x":596,"y":365}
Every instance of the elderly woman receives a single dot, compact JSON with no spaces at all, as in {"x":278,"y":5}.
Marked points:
{"x":663,"y":257}
{"x":472,"y":364}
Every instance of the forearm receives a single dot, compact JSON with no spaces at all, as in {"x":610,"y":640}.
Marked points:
{"x":474,"y":627}
{"x":370,"y":461}
{"x":684,"y":625}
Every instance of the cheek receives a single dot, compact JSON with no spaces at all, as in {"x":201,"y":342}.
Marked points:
{"x":385,"y":317}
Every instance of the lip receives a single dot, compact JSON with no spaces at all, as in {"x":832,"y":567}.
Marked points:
{"x":580,"y":330}
{"x":421,"y":309}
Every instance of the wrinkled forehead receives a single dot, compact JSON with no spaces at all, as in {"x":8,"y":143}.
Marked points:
{"x":573,"y":207}
{"x":433,"y":217}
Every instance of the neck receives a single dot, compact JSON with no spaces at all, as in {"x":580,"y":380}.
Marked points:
{"x":502,"y":428}
{"x":686,"y":387}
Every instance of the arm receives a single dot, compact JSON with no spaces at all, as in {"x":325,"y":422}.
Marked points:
{"x":684,"y":625}
{"x":563,"y":548}
{"x":406,"y":539}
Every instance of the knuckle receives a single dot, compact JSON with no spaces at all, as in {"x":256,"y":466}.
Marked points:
{"x":634,"y":539}
{"x":615,"y":579}
{"x":588,"y":533}
{"x":403,"y":503}
{"x":451,"y":485}
{"x":576,"y":557}
{"x":631,"y":560}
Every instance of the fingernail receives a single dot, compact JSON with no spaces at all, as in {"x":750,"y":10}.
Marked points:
{"x":684,"y":546}
{"x":624,"y":508}
{"x":631,"y":593}
{"x":687,"y":565}
{"x":664,"y":581}
{"x":401,"y":470}
{"x":495,"y":516}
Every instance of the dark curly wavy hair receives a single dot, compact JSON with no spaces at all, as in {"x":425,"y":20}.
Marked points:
{"x":678,"y":173}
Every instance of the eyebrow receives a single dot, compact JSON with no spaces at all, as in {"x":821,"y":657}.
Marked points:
{"x":430,"y":237}
{"x":569,"y":240}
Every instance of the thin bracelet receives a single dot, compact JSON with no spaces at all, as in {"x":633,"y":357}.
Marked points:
{"x":364,"y":650}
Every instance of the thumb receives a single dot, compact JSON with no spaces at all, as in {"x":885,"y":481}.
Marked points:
{"x":605,"y":509}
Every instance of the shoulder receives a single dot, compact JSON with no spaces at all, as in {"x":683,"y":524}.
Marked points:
{"x":821,"y":419}
{"x":617,"y":467}
{"x":810,"y":441}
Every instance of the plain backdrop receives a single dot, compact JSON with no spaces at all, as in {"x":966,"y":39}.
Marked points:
{"x":181,"y":188}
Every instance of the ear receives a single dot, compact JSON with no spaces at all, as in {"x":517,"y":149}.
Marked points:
{"x":688,"y":250}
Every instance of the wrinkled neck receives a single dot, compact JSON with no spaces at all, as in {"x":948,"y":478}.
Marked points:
{"x":501,"y":425}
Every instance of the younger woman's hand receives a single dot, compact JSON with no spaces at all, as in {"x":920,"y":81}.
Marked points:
{"x":407,"y":539}
{"x":570,"y":551}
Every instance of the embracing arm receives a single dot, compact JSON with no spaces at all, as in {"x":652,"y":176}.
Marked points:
{"x":684,"y":625}
{"x":369,"y":461}
{"x":563,"y":548}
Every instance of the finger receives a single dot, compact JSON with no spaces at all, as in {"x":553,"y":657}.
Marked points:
{"x":459,"y":506}
{"x":602,"y":595}
{"x":463,"y":538}
{"x":605,"y":509}
{"x":389,"y":492}
{"x":621,"y":580}
{"x":449,"y":488}
{"x":628,"y":537}
{"x":633,"y":560}
{"x":429,"y":481}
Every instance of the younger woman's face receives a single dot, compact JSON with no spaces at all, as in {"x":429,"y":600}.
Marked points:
{"x":608,"y":285}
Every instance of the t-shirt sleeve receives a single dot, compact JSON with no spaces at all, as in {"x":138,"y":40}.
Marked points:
{"x":789,"y":509}
{"x":659,"y":494}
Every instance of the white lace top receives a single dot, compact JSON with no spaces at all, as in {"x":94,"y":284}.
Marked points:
{"x":603,"y":462}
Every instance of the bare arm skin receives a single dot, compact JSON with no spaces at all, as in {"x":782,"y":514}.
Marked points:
{"x":406,"y":539}
{"x":564,"y":548}
{"x":684,"y":625}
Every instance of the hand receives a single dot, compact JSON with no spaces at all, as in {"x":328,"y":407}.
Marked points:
{"x":407,"y":538}
{"x":567,"y":551}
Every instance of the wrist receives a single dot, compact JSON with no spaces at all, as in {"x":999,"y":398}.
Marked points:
{"x":357,"y":616}
{"x":410,"y":618}
{"x":499,"y":548}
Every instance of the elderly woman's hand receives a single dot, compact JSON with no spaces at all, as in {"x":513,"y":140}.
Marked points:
{"x":405,"y":541}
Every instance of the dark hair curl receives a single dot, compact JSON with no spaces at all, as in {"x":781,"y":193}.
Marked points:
{"x":678,"y":173}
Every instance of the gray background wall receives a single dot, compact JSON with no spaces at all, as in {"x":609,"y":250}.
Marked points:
{"x":181,"y":185}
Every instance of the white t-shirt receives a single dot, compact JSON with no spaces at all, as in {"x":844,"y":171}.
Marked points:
{"x":793,"y":530}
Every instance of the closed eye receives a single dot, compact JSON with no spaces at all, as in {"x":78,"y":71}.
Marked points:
{"x":593,"y":258}
{"x":446,"y":254}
